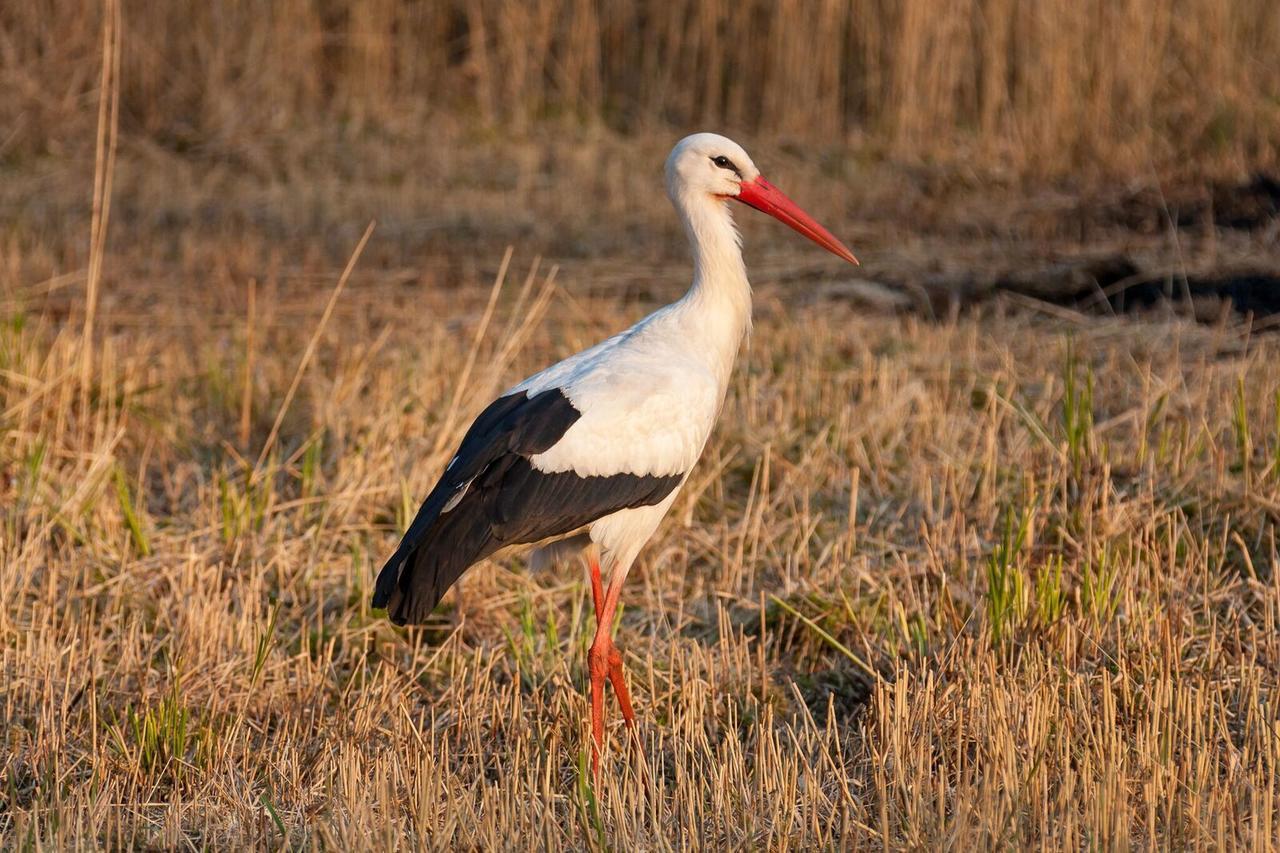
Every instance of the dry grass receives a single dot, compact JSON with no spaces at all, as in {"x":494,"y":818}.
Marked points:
{"x":988,"y":582}
{"x":1039,"y":87}
{"x":1056,"y":548}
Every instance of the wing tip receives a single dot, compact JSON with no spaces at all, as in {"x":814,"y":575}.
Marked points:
{"x":403,"y":607}
{"x":388,"y":582}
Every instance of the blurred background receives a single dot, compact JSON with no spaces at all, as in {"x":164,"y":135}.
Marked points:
{"x":1067,"y":151}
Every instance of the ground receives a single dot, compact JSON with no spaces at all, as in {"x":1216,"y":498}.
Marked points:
{"x":992,"y":573}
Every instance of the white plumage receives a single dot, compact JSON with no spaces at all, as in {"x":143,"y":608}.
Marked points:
{"x":648,"y":403}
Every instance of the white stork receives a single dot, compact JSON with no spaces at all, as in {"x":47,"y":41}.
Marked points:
{"x":594,"y":449}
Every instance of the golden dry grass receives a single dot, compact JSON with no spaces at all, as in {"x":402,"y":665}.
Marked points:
{"x":1054,"y":548}
{"x":995,"y":581}
{"x":1038,"y":87}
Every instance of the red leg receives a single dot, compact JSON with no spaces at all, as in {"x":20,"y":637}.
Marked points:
{"x":620,"y":685}
{"x":613,"y":655}
{"x":597,"y":708}
{"x":604,"y":661}
{"x":624,"y":700}
{"x":597,"y":587}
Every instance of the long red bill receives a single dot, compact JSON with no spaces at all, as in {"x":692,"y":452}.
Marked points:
{"x":765,"y":197}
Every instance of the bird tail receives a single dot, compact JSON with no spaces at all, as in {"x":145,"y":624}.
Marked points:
{"x":436,"y":551}
{"x":388,"y":581}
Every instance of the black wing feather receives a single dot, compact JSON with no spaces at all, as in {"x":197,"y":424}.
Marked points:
{"x":507,"y":501}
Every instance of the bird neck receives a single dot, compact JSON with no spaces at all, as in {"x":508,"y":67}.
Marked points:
{"x":720,"y":297}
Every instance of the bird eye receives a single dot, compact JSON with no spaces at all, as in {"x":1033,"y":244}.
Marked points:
{"x":724,"y":162}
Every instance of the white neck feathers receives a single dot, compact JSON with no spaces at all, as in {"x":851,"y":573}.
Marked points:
{"x":720,"y":298}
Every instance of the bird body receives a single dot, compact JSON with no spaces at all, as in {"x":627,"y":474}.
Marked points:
{"x":648,"y":399}
{"x":596,"y":447}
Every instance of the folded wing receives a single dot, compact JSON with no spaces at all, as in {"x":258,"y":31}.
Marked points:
{"x":493,"y":494}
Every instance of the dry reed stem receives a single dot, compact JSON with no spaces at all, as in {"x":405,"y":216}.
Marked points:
{"x":305,"y":362}
{"x":1034,"y":87}
{"x":103,"y":174}
{"x":246,"y":399}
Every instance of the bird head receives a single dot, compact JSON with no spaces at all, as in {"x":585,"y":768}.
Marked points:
{"x":715,"y":166}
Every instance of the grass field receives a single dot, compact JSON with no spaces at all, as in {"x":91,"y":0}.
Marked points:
{"x":989,"y":573}
{"x":986,"y":582}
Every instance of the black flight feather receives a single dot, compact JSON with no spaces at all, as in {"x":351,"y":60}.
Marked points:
{"x":500,"y":500}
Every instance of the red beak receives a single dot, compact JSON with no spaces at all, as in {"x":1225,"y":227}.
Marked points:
{"x":765,"y":197}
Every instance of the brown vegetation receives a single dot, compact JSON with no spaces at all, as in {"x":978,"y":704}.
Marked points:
{"x":984,"y":580}
{"x":1032,"y":86}
{"x":987,"y":583}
